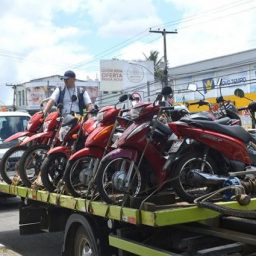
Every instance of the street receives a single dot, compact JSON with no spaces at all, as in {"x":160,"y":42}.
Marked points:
{"x":29,"y":245}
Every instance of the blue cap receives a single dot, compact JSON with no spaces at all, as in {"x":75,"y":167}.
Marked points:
{"x":69,"y":74}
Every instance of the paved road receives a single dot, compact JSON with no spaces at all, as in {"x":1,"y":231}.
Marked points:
{"x":29,"y":245}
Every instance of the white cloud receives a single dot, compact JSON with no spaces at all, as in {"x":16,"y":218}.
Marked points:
{"x":122,"y":18}
{"x":207,"y":29}
{"x":33,"y":46}
{"x":213,"y":28}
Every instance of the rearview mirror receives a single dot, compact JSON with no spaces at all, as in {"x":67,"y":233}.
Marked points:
{"x":122,"y":98}
{"x":192,"y":87}
{"x":239,"y":93}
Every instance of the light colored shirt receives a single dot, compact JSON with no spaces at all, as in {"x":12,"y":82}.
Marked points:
{"x":68,"y":105}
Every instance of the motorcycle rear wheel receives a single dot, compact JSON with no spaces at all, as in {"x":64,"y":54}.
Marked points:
{"x":115,"y":171}
{"x":30,"y":163}
{"x":9,"y":162}
{"x":180,"y":173}
{"x":52,"y":170}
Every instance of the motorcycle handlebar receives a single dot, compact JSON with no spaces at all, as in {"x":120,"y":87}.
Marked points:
{"x":244,"y":108}
{"x":167,"y":108}
{"x":200,"y":103}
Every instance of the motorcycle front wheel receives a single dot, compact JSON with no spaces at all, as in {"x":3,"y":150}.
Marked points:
{"x":118,"y":179}
{"x":30,"y":163}
{"x":182,"y":183}
{"x":80,"y":174}
{"x":9,"y":162}
{"x":52,"y":170}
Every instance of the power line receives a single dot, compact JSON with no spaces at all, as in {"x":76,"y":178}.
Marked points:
{"x":194,"y":17}
{"x":132,"y":39}
{"x":138,"y":36}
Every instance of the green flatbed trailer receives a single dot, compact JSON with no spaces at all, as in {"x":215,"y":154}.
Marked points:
{"x":95,"y":228}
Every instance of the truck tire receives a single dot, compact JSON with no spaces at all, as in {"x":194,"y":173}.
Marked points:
{"x":86,"y":235}
{"x":85,"y":242}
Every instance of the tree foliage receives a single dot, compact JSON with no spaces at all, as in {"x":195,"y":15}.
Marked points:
{"x":154,"y":56}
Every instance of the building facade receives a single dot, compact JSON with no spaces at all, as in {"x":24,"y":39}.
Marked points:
{"x":236,"y":70}
{"x":123,"y":76}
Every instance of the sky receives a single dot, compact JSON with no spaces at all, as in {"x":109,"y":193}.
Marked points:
{"x":43,"y":38}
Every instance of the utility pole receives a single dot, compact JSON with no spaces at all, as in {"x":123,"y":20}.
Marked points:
{"x":164,"y":32}
{"x":14,"y":87}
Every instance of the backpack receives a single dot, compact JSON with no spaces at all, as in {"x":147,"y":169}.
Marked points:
{"x":80,"y":97}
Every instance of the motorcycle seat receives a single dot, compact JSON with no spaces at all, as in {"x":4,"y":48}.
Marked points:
{"x":234,"y":131}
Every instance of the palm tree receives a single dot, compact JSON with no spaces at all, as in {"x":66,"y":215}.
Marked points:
{"x":154,"y":56}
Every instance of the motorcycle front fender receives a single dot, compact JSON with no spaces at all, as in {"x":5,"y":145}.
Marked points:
{"x":60,"y":149}
{"x":89,"y":151}
{"x":38,"y":136}
{"x":18,"y":135}
{"x":121,"y":153}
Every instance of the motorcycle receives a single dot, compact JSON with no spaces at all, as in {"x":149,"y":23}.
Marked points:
{"x":9,"y":162}
{"x":73,"y":136}
{"x":211,"y":148}
{"x":135,"y":166}
{"x":31,"y":160}
{"x":82,"y":165}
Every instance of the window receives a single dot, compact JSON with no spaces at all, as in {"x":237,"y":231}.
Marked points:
{"x":12,"y":124}
{"x":23,"y":98}
{"x":19,"y":98}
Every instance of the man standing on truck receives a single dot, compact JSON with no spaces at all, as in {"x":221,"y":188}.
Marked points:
{"x":72,"y":99}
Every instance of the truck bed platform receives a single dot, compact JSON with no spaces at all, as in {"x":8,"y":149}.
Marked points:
{"x":173,"y":215}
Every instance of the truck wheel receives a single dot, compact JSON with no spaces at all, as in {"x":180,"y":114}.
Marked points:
{"x":85,"y":242}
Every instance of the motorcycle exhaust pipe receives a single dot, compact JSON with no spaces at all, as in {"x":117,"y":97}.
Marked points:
{"x":206,"y":179}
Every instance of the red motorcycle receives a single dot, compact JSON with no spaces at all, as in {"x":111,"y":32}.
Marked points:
{"x":82,"y":165}
{"x":30,"y":162}
{"x":72,"y":135}
{"x":211,"y":148}
{"x":136,"y":164}
{"x":8,"y":164}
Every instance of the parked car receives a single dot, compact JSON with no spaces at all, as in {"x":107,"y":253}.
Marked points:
{"x":10,"y":123}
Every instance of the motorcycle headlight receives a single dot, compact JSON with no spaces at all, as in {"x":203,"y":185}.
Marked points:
{"x":100,"y":116}
{"x":63,"y":132}
{"x":46,"y":125}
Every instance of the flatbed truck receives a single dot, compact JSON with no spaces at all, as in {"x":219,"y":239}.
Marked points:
{"x":92,"y":227}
